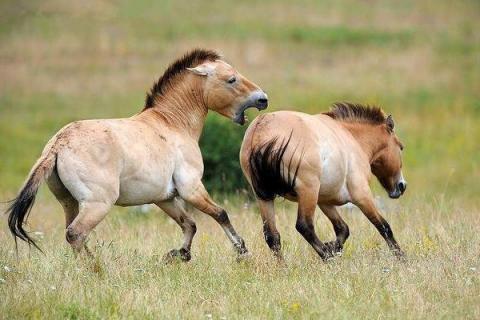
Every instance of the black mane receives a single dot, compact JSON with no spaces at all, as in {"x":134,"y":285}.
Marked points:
{"x":347,"y":111}
{"x":189,"y":60}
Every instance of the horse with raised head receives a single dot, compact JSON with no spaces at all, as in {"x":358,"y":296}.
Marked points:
{"x":151,"y":157}
{"x":326,"y":160}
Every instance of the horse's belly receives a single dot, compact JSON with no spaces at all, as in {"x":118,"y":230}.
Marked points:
{"x":339,"y":196}
{"x":145,"y":188}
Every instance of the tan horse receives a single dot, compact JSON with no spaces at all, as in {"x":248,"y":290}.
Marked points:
{"x":152,"y":157}
{"x":325,"y":160}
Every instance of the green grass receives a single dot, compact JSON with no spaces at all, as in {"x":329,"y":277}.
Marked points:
{"x":63,"y":61}
{"x":439,"y":279}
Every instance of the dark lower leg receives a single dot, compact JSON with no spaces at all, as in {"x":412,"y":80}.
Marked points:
{"x":384,"y":228}
{"x":272,"y":238}
{"x":237,"y":241}
{"x":175,"y":209}
{"x":341,"y":229}
{"x":270,"y":232}
{"x":370,"y":211}
{"x":307,"y":203}
{"x":307,"y":230}
{"x":184,"y":252}
{"x":189,"y":229}
{"x":201,"y":200}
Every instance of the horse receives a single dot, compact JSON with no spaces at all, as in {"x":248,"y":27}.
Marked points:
{"x":325,"y":159}
{"x":151,"y":157}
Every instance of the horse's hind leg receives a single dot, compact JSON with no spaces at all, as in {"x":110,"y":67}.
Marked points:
{"x":68,"y":202}
{"x":307,"y":203}
{"x":270,"y":232}
{"x":370,"y":211}
{"x":341,"y":228}
{"x":90,"y":214}
{"x":175,"y":209}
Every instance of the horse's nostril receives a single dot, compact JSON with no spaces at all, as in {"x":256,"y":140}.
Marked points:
{"x":262,"y":100}
{"x":402,"y":186}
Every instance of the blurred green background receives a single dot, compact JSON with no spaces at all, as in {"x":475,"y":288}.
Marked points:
{"x":420,"y":60}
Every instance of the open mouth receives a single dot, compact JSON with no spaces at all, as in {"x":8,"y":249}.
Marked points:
{"x":241,"y":118}
{"x":258,"y":100}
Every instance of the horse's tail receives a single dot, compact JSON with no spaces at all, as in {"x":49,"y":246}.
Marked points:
{"x":20,"y":207}
{"x":270,"y":177}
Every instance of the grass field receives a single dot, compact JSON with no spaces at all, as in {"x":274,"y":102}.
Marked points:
{"x":420,"y":60}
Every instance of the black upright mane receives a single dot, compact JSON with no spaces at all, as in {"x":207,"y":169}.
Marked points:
{"x":189,"y":60}
{"x":347,"y":111}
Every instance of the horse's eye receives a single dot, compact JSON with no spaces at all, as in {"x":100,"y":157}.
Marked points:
{"x":232,"y":80}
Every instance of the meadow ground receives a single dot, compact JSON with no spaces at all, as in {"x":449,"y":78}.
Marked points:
{"x":420,"y":60}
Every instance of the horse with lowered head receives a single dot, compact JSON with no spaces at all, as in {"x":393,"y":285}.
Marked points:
{"x":151,"y":157}
{"x":326,"y":160}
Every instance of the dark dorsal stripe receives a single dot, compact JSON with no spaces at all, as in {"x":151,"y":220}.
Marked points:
{"x":189,"y":60}
{"x":347,"y":111}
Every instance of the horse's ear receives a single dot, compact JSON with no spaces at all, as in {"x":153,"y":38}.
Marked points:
{"x":389,"y":122}
{"x":203,"y":69}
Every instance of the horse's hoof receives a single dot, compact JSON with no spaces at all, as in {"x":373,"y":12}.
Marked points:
{"x":279,"y":256}
{"x":400,"y":255}
{"x":334,"y":248}
{"x":240,"y":247}
{"x":280,"y":260}
{"x":327,"y":256}
{"x":174,"y":255}
{"x":329,"y":259}
{"x":245,"y":256}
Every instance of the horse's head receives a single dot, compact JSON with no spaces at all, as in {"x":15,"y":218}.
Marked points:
{"x":387,"y":163}
{"x":227,"y":92}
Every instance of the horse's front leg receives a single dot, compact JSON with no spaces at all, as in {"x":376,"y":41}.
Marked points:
{"x":369,"y":209}
{"x":198,"y":197}
{"x":175,"y":209}
{"x":341,"y":228}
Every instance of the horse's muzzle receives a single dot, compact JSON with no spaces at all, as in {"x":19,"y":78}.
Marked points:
{"x":399,"y":190}
{"x":257,"y":99}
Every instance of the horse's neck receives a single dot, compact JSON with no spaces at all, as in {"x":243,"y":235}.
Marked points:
{"x":369,"y":137}
{"x":182,"y":110}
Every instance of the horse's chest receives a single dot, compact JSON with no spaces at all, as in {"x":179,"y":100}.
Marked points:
{"x":332,"y":170}
{"x":333,"y":177}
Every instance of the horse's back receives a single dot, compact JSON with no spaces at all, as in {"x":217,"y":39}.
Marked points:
{"x":316,"y":143}
{"x":314,"y":132}
{"x":118,"y":159}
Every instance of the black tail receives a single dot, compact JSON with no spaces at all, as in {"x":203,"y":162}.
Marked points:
{"x":267,"y":170}
{"x":20,"y":206}
{"x":19,"y":210}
